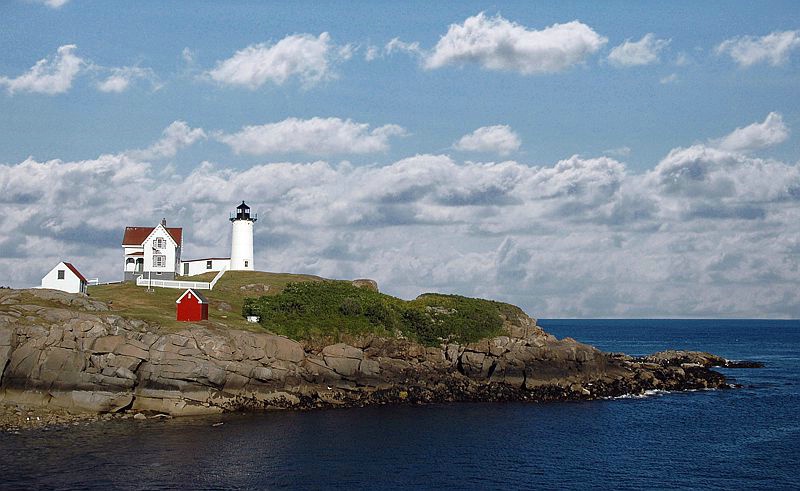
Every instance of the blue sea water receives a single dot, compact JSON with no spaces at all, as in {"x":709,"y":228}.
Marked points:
{"x":747,"y":438}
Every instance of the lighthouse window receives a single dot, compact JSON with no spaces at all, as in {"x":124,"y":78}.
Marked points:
{"x":159,"y":261}
{"x":208,"y":264}
{"x":245,"y":264}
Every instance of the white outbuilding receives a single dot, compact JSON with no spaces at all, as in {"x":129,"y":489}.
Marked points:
{"x":65,"y":277}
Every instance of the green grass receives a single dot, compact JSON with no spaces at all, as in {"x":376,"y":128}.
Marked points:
{"x":310,"y":308}
{"x":337,"y":310}
{"x":158,"y":306}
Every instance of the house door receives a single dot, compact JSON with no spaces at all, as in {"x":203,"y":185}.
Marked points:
{"x":185,"y":269}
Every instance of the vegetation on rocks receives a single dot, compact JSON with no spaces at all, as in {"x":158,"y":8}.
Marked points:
{"x":331,"y":309}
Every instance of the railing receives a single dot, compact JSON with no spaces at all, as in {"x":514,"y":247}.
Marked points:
{"x":217,"y":277}
{"x":199,"y":285}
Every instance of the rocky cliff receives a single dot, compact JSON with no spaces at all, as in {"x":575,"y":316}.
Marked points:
{"x":67,"y":351}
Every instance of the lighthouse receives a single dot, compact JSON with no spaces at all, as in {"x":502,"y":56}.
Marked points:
{"x":242,"y":239}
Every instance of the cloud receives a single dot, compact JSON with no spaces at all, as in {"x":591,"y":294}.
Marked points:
{"x":755,"y":136}
{"x":398,"y":46}
{"x":121,"y":79}
{"x":315,"y":136}
{"x":188,"y":56}
{"x":682,"y":59}
{"x":174,"y":137}
{"x":392,"y":47}
{"x":48,"y":76}
{"x":636,"y":53}
{"x":773,"y":49}
{"x":303,"y":56}
{"x":669,"y":79}
{"x":500,"y":139}
{"x":498,"y":44}
{"x":706,"y":232}
{"x":372,"y":53}
{"x":53,"y":4}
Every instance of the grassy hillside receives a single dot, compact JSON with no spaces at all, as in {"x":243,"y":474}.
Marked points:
{"x":226,"y":299}
{"x":335,"y":310}
{"x":311,"y":308}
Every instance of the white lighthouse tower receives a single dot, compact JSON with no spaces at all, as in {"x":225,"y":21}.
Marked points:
{"x":242,"y":239}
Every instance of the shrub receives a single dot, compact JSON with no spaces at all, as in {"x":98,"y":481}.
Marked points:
{"x":310,"y":310}
{"x":350,"y":307}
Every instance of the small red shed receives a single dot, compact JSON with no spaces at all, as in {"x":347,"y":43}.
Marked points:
{"x":191,"y":306}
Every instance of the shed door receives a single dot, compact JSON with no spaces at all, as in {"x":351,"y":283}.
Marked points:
{"x":186,"y":269}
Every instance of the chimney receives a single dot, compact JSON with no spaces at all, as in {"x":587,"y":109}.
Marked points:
{"x":163,"y":222}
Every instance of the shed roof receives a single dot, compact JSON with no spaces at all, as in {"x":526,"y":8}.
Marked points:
{"x":196,"y":293}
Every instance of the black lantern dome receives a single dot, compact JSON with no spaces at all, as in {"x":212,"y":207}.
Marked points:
{"x":243,"y":213}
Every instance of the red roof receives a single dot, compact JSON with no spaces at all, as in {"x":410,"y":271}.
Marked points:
{"x":75,"y":270}
{"x":137,"y":235}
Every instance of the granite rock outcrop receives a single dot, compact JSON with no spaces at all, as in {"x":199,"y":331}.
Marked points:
{"x":74,"y":353}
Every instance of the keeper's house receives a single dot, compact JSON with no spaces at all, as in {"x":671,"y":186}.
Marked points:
{"x":153,"y":252}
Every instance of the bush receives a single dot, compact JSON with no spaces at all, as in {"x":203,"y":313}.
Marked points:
{"x":350,"y":307}
{"x":309,"y":310}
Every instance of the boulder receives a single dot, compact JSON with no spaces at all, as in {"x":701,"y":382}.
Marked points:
{"x":366,"y":283}
{"x":343,"y":366}
{"x":341,"y":350}
{"x":107,"y":344}
{"x":282,"y":348}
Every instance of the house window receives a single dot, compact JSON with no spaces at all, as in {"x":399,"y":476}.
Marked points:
{"x":159,"y":261}
{"x":245,"y":264}
{"x":159,"y":243}
{"x":60,"y":274}
{"x":208,"y":264}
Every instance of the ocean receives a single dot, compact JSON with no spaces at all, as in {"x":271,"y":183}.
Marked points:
{"x":745,"y":438}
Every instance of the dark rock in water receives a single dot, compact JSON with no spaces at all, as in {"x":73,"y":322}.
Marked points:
{"x":673,"y":357}
{"x":743,"y":364}
{"x":84,"y":359}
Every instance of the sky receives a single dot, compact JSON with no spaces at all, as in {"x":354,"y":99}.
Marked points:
{"x":579,"y":159}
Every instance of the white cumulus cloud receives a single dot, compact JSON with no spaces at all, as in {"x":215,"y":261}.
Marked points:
{"x":774,"y":48}
{"x":642,"y":52}
{"x":121,"y":79}
{"x":500,"y":139}
{"x":771,"y":131}
{"x":315,"y":136}
{"x":398,"y":46}
{"x":706,"y":232}
{"x":174,"y":137}
{"x":303,"y":56}
{"x":48,"y":76}
{"x":499,"y":44}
